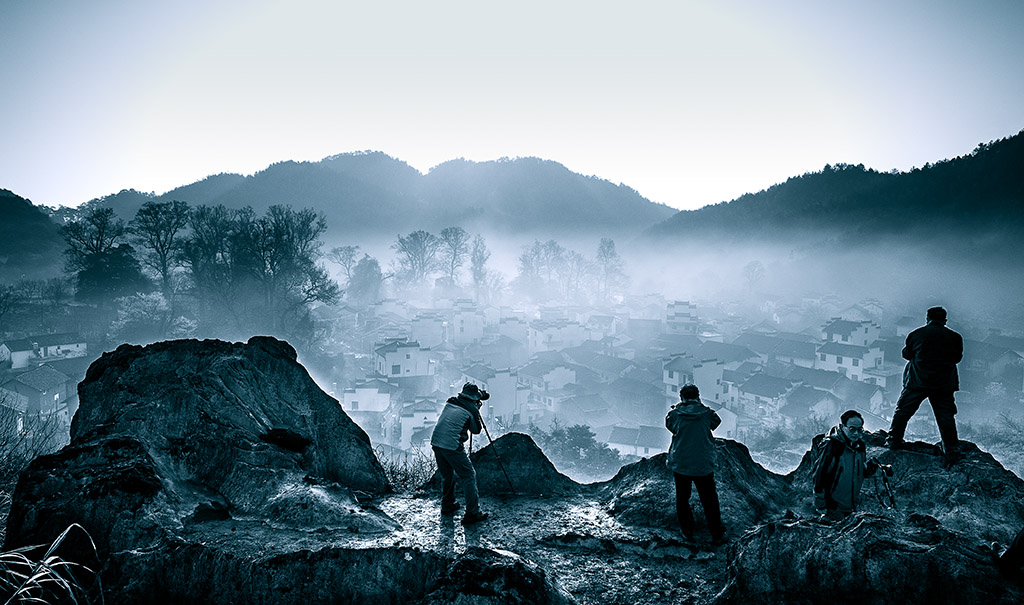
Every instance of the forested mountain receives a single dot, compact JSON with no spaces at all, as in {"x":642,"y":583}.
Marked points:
{"x":973,"y":202}
{"x":372,"y":193}
{"x":30,"y":244}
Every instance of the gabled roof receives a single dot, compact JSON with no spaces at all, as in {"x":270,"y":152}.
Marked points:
{"x":841,"y":326}
{"x":42,"y":379}
{"x":655,"y":437}
{"x":540,"y":368}
{"x":838,"y":348}
{"x":395,"y":345}
{"x":795,"y":349}
{"x":680,"y":363}
{"x":479,"y":371}
{"x":822,"y":379}
{"x":759,"y":343}
{"x":766,"y":386}
{"x":607,"y":363}
{"x":976,"y":349}
{"x":725,"y":352}
{"x":623,"y":435}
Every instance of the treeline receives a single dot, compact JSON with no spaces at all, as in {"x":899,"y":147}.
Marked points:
{"x":176,"y":271}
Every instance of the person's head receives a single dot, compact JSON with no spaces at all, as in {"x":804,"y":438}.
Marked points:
{"x":689,"y":391}
{"x":473,"y":393}
{"x":852,"y":424}
{"x":936,"y":315}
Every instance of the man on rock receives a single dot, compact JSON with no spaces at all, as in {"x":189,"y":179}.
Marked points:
{"x":932,"y":352}
{"x":459,"y":418}
{"x":691,"y":458}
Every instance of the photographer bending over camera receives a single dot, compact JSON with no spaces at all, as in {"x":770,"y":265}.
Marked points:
{"x":460,"y":417}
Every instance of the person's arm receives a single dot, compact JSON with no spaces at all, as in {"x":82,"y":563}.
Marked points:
{"x":716,"y":420}
{"x":826,"y":475}
{"x":671,"y":421}
{"x":959,"y":353}
{"x":907,"y":353}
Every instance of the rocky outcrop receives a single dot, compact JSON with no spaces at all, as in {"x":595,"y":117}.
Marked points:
{"x":644,"y":492}
{"x":513,"y":464}
{"x":219,"y":472}
{"x":931,"y":547}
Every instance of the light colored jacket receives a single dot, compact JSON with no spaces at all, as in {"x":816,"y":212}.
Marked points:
{"x":455,"y":424}
{"x":692,"y":452}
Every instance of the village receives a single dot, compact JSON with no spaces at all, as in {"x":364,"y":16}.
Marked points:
{"x":782,"y":365}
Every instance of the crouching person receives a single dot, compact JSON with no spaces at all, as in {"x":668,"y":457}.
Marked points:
{"x":691,"y":458}
{"x":841,"y":467}
{"x":459,"y":418}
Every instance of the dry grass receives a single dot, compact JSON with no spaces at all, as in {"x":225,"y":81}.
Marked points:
{"x":51,"y":579}
{"x":406,"y":472}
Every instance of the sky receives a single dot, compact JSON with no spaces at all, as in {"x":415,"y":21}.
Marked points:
{"x":689,"y":103}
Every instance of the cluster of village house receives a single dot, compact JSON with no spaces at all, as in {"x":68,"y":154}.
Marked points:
{"x":618,"y":370}
{"x":615,"y":370}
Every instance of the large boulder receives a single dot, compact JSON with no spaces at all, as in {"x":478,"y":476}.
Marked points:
{"x":931,"y":547}
{"x":513,"y":464}
{"x":644,"y":492}
{"x":178,"y":433}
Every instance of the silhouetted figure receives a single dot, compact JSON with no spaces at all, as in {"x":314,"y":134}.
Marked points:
{"x":691,"y":458}
{"x":1011,"y":560}
{"x":459,"y":418}
{"x":932,"y":353}
{"x":840,"y":468}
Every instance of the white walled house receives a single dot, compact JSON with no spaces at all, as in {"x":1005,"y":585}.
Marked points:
{"x":419,"y":414}
{"x":467,"y":325}
{"x":506,"y":395}
{"x":41,"y":348}
{"x":368,"y":396}
{"x":429,"y":329}
{"x":850,"y":360}
{"x":859,"y":333}
{"x":707,"y":375}
{"x":681,"y":318}
{"x":402,"y":358}
{"x":554,"y":336}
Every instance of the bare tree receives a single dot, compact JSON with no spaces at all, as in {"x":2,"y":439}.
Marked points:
{"x":478,"y":257}
{"x":417,"y":256}
{"x":96,"y":232}
{"x":454,"y":247}
{"x":157,"y":227}
{"x":346,"y":257}
{"x":8,"y":297}
{"x":611,"y":277}
{"x":753,"y":273}
{"x":553,"y":255}
{"x":575,"y":271}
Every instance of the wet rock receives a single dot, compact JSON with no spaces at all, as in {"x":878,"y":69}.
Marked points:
{"x":483,"y":576}
{"x":865,"y":559}
{"x":513,"y":464}
{"x":644,"y":492}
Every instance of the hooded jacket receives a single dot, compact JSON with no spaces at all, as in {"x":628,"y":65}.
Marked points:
{"x":932,"y":352}
{"x":692,"y":452}
{"x":840,"y":472}
{"x":459,"y":417}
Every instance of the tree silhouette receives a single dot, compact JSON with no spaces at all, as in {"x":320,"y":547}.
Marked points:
{"x":95,"y":233}
{"x":417,"y":256}
{"x":157,"y":227}
{"x":454,"y":247}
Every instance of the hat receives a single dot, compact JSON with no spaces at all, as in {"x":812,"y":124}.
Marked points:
{"x":471,"y":391}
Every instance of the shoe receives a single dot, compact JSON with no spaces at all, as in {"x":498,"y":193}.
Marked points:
{"x":472,"y":518}
{"x":448,"y":511}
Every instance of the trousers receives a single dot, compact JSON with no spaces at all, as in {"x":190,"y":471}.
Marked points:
{"x":943,"y":407}
{"x":708,"y":500}
{"x":452,"y":463}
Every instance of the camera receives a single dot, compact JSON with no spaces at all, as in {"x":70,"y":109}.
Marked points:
{"x":484,"y":395}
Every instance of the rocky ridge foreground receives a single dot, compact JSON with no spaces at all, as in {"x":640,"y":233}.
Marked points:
{"x":219,"y":472}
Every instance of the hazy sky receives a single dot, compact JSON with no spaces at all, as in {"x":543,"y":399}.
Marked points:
{"x":689,"y":103}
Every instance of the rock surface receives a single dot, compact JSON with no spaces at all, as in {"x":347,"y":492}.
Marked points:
{"x":219,"y":472}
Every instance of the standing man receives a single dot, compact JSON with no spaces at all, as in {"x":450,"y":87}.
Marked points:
{"x":460,"y":417}
{"x":932,"y":353}
{"x":841,"y":467}
{"x":691,"y":458}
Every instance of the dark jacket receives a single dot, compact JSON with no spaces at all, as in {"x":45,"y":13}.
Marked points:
{"x":459,"y":417}
{"x":839,"y":472}
{"x":933,"y":352}
{"x":692,"y":451}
